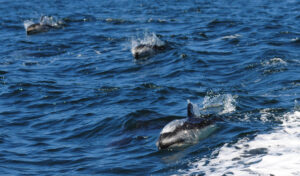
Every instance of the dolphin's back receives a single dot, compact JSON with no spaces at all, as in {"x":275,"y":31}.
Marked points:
{"x":187,"y":131}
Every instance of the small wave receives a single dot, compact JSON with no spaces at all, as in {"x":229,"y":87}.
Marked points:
{"x":79,"y":18}
{"x":233,"y":39}
{"x":30,"y":63}
{"x":107,"y":89}
{"x":228,"y":37}
{"x":151,"y":20}
{"x":3,"y":72}
{"x":117,"y":21}
{"x":269,"y":65}
{"x":274,"y":65}
{"x":102,"y":126}
{"x":213,"y":52}
{"x":143,"y":120}
{"x":151,"y":86}
{"x":222,"y":23}
{"x":126,"y":141}
{"x":274,"y":62}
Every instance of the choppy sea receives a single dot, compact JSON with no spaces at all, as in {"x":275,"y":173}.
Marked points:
{"x":74,"y":101}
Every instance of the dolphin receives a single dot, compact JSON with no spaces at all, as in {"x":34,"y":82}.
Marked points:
{"x":37,"y":28}
{"x":188,"y":131}
{"x":45,"y":24}
{"x":146,"y":50}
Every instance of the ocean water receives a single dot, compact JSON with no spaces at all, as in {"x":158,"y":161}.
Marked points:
{"x":74,"y":101}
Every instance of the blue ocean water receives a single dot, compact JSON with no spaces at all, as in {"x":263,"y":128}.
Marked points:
{"x":74,"y":101}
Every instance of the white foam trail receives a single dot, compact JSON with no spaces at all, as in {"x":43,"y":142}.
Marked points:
{"x":276,"y":153}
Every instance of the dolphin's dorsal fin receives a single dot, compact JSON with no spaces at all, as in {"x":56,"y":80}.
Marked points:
{"x":190,"y":110}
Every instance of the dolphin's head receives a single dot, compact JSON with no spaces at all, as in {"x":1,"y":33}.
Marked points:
{"x":171,"y":136}
{"x":36,"y":28}
{"x":185,"y":132}
{"x":142,"y":51}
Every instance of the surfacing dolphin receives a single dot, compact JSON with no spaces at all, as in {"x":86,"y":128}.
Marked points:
{"x":45,"y":24}
{"x":146,"y":50}
{"x":188,"y":131}
{"x":37,"y":28}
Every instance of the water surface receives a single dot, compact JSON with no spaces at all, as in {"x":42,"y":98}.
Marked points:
{"x":73,"y":101}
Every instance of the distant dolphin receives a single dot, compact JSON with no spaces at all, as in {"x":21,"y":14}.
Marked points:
{"x":44,"y":25}
{"x":186,"y":131}
{"x":37,"y":28}
{"x":146,"y":50}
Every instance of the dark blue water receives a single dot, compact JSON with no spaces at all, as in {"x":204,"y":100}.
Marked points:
{"x":73,"y":100}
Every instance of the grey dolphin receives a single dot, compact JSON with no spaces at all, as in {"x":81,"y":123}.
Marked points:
{"x":37,"y":28}
{"x":146,"y":50}
{"x":186,"y":131}
{"x":45,"y":24}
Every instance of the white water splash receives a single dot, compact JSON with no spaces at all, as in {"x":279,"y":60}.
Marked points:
{"x":275,"y":153}
{"x":220,"y":103}
{"x":147,"y":39}
{"x":49,"y":20}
